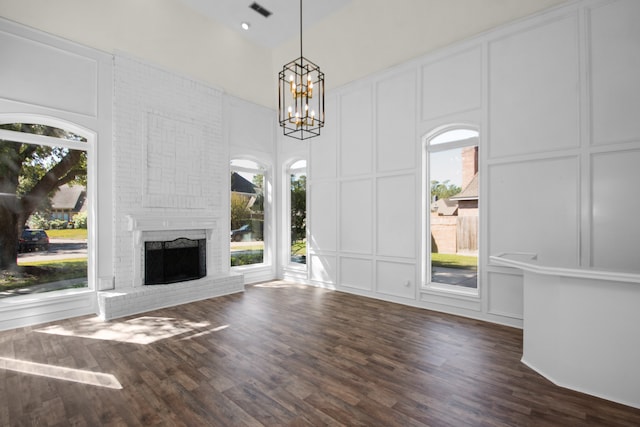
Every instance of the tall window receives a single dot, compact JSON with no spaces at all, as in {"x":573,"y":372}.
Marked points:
{"x":43,"y":209}
{"x":297,"y":174}
{"x":247,"y":213}
{"x":451,"y":241}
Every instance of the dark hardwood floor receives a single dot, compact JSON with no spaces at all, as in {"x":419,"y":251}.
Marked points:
{"x":283,"y":354}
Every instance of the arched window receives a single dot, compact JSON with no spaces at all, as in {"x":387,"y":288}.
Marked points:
{"x":451,"y":210}
{"x":248,"y":213}
{"x":44,"y":206}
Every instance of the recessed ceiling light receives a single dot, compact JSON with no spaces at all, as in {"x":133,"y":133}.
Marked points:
{"x":245,"y":25}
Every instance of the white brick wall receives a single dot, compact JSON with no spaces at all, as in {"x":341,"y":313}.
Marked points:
{"x":113,"y":304}
{"x":170,"y":159}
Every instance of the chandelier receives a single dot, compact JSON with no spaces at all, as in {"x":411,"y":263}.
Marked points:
{"x":301,"y":96}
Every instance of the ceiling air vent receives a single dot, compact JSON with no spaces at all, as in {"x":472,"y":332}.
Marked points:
{"x":261,"y":10}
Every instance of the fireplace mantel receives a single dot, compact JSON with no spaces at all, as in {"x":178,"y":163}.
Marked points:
{"x":152,"y":223}
{"x":140,"y":223}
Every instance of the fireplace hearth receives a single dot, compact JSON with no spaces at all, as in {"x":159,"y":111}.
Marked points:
{"x":178,"y":260}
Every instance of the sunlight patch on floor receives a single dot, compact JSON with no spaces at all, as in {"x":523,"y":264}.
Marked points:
{"x":141,"y":330}
{"x":279,"y":284}
{"x":61,"y":373}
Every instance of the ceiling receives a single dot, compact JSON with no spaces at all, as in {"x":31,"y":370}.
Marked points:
{"x":283,"y":24}
{"x":202,"y":39}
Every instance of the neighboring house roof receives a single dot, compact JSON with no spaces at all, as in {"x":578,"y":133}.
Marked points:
{"x":70,"y":198}
{"x":446,"y":207}
{"x":241,"y":185}
{"x":470,"y":192}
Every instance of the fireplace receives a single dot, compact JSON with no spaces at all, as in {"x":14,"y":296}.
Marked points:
{"x":131,"y":295}
{"x":178,"y":260}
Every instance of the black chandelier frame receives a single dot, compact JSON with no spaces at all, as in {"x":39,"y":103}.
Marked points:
{"x":301,"y":96}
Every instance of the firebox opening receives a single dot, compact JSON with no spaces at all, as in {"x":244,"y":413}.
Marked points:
{"x":174,"y":261}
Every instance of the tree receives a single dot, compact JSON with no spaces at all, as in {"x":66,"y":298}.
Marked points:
{"x":239,"y":210}
{"x":298,"y":207}
{"x":30,"y":175}
{"x":443,"y":190}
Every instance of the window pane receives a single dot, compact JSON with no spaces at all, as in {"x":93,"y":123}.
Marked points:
{"x":243,"y":163}
{"x":298,"y":218}
{"x":247,"y":217}
{"x":453,"y":210}
{"x":453,"y":135}
{"x":43,"y":241}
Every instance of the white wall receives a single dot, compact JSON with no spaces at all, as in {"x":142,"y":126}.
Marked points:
{"x":68,"y":86}
{"x":250,"y":134}
{"x":556,"y":100}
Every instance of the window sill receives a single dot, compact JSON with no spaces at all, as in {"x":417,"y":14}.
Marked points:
{"x":443,"y":289}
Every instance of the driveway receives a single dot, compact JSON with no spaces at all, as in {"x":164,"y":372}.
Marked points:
{"x":455,"y":276}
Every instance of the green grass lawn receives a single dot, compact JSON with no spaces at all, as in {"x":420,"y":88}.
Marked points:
{"x":299,"y":248}
{"x":35,"y":273}
{"x":72,"y":233}
{"x":454,"y":261}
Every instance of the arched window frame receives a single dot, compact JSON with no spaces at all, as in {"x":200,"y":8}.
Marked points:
{"x":428,"y":147}
{"x":89,"y":146}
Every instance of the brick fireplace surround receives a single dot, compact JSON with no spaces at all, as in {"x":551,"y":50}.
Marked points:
{"x":171,"y":173}
{"x":140,"y":298}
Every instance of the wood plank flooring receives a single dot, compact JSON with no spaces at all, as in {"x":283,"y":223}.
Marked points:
{"x":283,"y":354}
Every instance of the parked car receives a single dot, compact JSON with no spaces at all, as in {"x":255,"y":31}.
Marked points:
{"x":238,"y":234}
{"x":32,"y":239}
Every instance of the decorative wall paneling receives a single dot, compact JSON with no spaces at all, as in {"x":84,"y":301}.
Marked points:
{"x":614,"y":60}
{"x":534,"y":88}
{"x":555,"y":99}
{"x":356,"y":216}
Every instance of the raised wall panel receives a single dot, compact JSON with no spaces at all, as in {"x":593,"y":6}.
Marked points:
{"x":534,"y":207}
{"x":356,"y":216}
{"x":396,"y":279}
{"x":323,"y":268}
{"x":397,"y":227}
{"x":614,"y":211}
{"x":615,"y":67}
{"x":504,"y":295}
{"x":356,"y":273}
{"x":323,"y":216}
{"x":69,"y":83}
{"x":249,"y":125}
{"x":452,"y":84}
{"x":356,"y":132}
{"x":395,"y":121}
{"x":323,"y":159}
{"x":534,"y":90}
{"x":174,"y":162}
